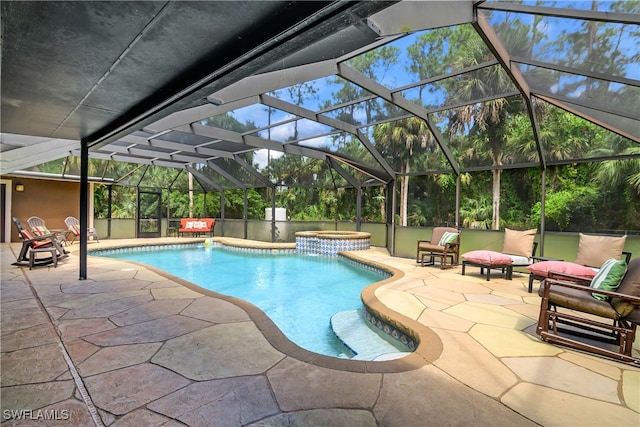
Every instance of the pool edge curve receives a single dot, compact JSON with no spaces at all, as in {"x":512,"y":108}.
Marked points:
{"x":429,"y":345}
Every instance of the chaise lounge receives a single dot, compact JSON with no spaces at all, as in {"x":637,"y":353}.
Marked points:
{"x":518,"y":250}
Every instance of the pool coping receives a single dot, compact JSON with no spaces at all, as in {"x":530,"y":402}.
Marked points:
{"x":429,"y":346}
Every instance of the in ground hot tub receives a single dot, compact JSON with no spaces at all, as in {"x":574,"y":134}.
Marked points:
{"x":329,"y":243}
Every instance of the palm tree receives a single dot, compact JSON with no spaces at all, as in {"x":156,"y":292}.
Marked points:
{"x":399,"y":141}
{"x":614,"y":172}
{"x":483,"y":121}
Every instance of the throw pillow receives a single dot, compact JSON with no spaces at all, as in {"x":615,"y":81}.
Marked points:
{"x":447,"y":237}
{"x":487,"y":258}
{"x":543,"y":268}
{"x":595,"y":250}
{"x":609,"y":277}
{"x":519,"y":242}
{"x":76,"y":229}
{"x":27,"y":235}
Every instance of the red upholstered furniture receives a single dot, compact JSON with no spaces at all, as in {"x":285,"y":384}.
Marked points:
{"x":488,"y":260}
{"x":593,"y":251}
{"x":518,"y":250}
{"x":197,"y":226}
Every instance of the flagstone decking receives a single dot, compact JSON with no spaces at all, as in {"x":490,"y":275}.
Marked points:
{"x":130,"y":346}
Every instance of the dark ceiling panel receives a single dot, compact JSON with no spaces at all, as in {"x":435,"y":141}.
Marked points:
{"x":182,"y":43}
{"x":53,"y":53}
{"x":269,"y":36}
{"x":70,"y":69}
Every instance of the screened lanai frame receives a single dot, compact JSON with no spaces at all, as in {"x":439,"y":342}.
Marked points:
{"x":183,"y":138}
{"x":196,"y":142}
{"x":267,"y":91}
{"x":186,"y":139}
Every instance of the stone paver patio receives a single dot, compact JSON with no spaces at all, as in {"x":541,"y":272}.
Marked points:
{"x":130,"y":346}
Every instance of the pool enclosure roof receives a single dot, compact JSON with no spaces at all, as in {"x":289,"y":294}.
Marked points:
{"x":221,"y":89}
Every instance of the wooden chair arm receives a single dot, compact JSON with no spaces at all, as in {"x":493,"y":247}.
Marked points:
{"x":39,"y":238}
{"x":573,"y":278}
{"x":547,"y":283}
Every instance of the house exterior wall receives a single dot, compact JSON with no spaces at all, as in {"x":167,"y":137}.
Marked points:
{"x":52,"y":201}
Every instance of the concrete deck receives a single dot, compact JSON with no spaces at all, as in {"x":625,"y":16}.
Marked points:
{"x":130,"y":346}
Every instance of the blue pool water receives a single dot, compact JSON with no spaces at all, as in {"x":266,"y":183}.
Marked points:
{"x":298,"y":292}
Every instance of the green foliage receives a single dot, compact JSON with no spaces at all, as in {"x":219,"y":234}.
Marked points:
{"x":476,"y":213}
{"x":373,"y":204}
{"x":570,"y":210}
{"x":234,"y":204}
{"x":123,"y":201}
{"x":180,"y":204}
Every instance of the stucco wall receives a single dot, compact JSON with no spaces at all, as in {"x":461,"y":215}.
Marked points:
{"x":52,"y":201}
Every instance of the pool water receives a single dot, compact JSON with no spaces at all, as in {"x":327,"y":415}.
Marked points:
{"x":298,"y":292}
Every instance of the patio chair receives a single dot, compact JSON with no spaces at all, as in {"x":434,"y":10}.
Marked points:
{"x":518,"y":250}
{"x":593,"y":251}
{"x":444,"y":244}
{"x":33,"y":245}
{"x":602,"y":322}
{"x":74,"y":227}
{"x":39,"y":228}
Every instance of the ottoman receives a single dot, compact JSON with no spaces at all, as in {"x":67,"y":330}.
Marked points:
{"x":488,"y":260}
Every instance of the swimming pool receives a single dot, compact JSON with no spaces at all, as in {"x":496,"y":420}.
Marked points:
{"x":298,"y":292}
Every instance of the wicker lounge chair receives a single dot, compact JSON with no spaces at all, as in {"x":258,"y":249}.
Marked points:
{"x":444,"y":244}
{"x":611,"y":320}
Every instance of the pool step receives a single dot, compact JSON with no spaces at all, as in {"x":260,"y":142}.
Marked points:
{"x":353,"y":329}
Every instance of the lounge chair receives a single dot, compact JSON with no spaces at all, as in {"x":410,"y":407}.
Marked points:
{"x":573,"y":314}
{"x":74,"y":227}
{"x":33,"y":245}
{"x":444,"y":244}
{"x":593,"y":251}
{"x":518,"y":250}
